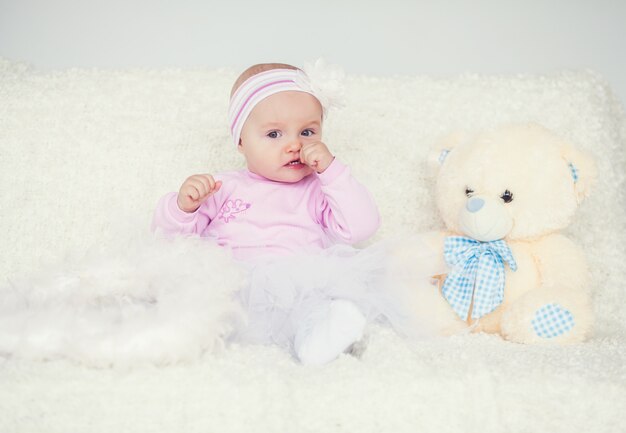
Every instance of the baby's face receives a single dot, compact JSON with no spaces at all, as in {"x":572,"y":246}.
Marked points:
{"x":276,"y":130}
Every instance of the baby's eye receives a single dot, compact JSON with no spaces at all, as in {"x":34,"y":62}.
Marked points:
{"x":307,"y":133}
{"x":507,"y":196}
{"x":469,"y":191}
{"x":273,"y":134}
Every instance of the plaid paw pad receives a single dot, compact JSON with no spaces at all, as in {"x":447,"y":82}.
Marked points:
{"x":552,"y":320}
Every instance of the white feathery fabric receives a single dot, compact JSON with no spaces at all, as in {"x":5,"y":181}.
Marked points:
{"x":84,"y":156}
{"x":151,"y":302}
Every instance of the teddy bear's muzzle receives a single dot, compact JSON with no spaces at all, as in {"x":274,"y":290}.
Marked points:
{"x":485,"y":219}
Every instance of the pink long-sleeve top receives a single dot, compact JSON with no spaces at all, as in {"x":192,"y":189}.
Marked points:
{"x":253,"y":215}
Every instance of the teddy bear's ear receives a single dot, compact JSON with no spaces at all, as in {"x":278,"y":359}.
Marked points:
{"x":582,"y":169}
{"x":442,"y":148}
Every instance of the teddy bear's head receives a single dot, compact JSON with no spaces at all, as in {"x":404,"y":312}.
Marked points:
{"x":513,"y":182}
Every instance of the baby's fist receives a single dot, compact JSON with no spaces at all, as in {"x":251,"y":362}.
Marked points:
{"x":316,"y":155}
{"x":195,"y":190}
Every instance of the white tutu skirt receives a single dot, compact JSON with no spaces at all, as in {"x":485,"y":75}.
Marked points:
{"x":159,"y":301}
{"x":284,"y":290}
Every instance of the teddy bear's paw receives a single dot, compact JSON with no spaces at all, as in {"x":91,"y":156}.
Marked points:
{"x":552,"y":320}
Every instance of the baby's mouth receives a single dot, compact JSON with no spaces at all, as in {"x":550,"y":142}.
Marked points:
{"x":294,"y":162}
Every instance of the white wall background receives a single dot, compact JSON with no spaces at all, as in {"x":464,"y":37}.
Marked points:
{"x":443,"y":38}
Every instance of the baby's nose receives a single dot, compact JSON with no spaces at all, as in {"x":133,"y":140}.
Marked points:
{"x":294,"y":145}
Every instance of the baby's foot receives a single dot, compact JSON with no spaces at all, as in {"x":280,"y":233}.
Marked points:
{"x":321,"y":338}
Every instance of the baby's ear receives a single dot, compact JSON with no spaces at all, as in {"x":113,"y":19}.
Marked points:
{"x":582,"y":169}
{"x":442,"y":148}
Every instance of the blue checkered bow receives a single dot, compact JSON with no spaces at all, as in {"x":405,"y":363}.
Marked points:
{"x":477,"y":273}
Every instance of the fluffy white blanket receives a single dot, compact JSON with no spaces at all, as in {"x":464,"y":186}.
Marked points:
{"x":85,"y":154}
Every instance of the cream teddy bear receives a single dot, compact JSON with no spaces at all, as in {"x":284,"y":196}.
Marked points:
{"x":504,"y":195}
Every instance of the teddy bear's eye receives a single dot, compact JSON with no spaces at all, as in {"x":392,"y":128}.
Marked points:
{"x":507,"y":196}
{"x":469,"y":191}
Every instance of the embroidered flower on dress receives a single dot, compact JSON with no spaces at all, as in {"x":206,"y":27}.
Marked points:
{"x":232,"y":207}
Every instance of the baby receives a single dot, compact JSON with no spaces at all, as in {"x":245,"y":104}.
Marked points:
{"x":281,"y":217}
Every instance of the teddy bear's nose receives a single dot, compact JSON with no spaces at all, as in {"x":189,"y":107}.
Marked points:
{"x":475,"y":204}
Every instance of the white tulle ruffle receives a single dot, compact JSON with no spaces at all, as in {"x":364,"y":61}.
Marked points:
{"x":166,"y":301}
{"x":283,"y":291}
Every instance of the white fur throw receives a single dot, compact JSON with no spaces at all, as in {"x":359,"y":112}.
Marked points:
{"x":84,"y":156}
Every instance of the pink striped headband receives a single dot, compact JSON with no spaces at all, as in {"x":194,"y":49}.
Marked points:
{"x":319,"y":79}
{"x":259,"y":87}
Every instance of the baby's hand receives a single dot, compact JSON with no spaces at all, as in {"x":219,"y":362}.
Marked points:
{"x":316,"y":155}
{"x":195,"y":190}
